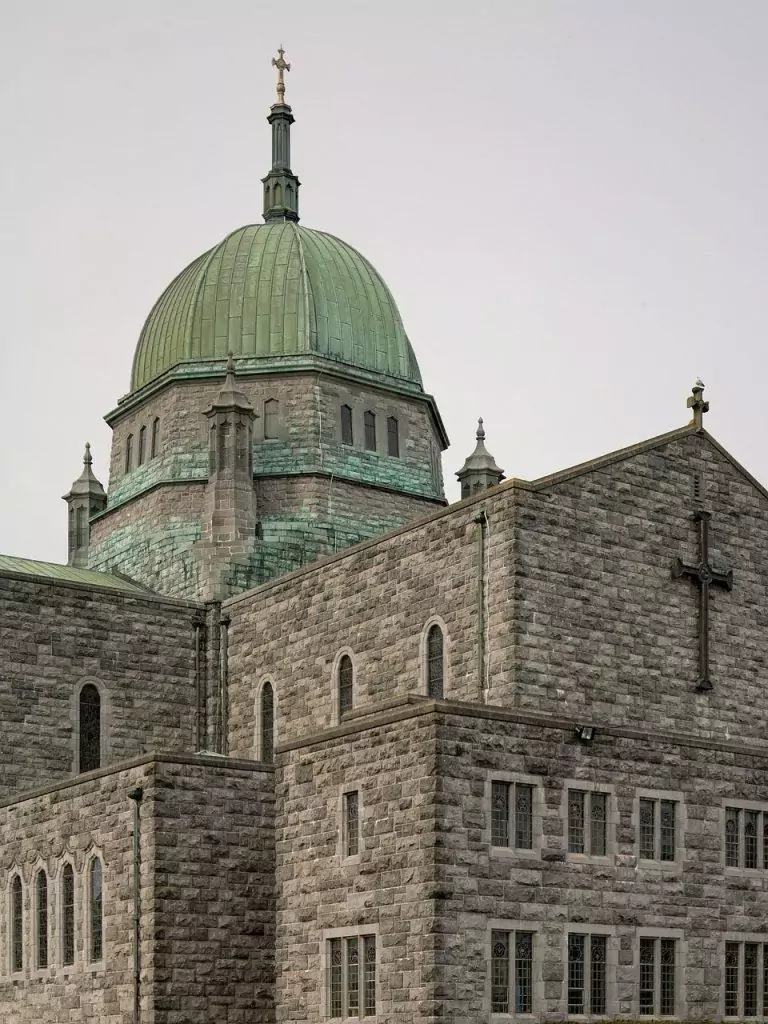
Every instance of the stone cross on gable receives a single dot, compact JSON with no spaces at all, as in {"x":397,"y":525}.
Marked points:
{"x":704,"y":576}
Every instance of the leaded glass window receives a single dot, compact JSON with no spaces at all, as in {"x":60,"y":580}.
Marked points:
{"x":67,"y":915}
{"x":658,"y":829}
{"x":732,"y":837}
{"x":267,"y":723}
{"x":271,"y":418}
{"x":512,"y":814}
{"x":731,"y":979}
{"x":576,"y":973}
{"x":587,"y":980}
{"x":745,"y":979}
{"x":750,"y":839}
{"x":598,"y":996}
{"x":17,"y":925}
{"x":352,"y":976}
{"x":41,"y":922}
{"x":90,"y":728}
{"x":347,"y":436}
{"x":155,"y":437}
{"x":96,"y":908}
{"x":511,"y":971}
{"x":393,"y":437}
{"x":657,"y":994}
{"x":128,"y":453}
{"x":351,"y":824}
{"x":142,"y":445}
{"x":346,"y":684}
{"x":369,"y":422}
{"x":746,"y":838}
{"x":576,"y":800}
{"x":750,"y":979}
{"x":435,"y":666}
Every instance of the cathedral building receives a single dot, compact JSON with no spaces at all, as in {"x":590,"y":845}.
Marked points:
{"x":292,"y":739}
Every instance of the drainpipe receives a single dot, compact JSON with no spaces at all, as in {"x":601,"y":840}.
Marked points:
{"x":224,"y":683}
{"x":135,"y":795}
{"x":199,"y":624}
{"x":482,"y":521}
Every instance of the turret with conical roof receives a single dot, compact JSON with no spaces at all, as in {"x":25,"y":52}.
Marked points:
{"x":480,"y":470}
{"x":84,"y":499}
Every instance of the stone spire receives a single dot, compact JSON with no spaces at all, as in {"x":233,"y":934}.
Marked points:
{"x":697,"y":403}
{"x":281,"y":186}
{"x":480,"y":469}
{"x":85,"y":498}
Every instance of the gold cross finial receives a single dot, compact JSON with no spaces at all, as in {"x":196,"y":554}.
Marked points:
{"x":697,"y":403}
{"x":282,"y":66}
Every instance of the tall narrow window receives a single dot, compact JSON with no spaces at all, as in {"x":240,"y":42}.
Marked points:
{"x":67,"y":915}
{"x":587,"y":956}
{"x":745,"y":979}
{"x":17,"y":925}
{"x":393,"y":437}
{"x":369,"y":421}
{"x":657,"y":829}
{"x":96,"y":909}
{"x":512,"y":815}
{"x":271,"y":413}
{"x":351,"y":982}
{"x":82,"y":526}
{"x":435,"y":668}
{"x":128,"y":453}
{"x":657,"y":977}
{"x":142,"y":445}
{"x":351,"y":824}
{"x":511,"y":972}
{"x":587,"y":822}
{"x":346,"y":684}
{"x":90,"y":728}
{"x":41,"y":919}
{"x":346,"y":425}
{"x":155,"y":440}
{"x":267,"y":723}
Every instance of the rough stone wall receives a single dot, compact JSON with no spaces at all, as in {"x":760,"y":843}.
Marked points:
{"x":207,"y":898}
{"x":55,"y":638}
{"x":389,"y":887}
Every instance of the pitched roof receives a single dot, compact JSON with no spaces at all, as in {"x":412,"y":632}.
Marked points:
{"x":52,"y":571}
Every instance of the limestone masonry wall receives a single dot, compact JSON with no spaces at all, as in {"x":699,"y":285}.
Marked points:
{"x":55,"y":638}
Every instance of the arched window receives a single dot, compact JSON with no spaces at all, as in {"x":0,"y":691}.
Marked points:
{"x":369,"y":421}
{"x":267,"y":723}
{"x":89,"y":728}
{"x":271,"y":413}
{"x":346,"y":425}
{"x":346,"y":684}
{"x":128,"y":452}
{"x":67,"y":915}
{"x":393,"y":436}
{"x":96,"y":910}
{"x":41,"y":919}
{"x":142,"y":445}
{"x":435,"y":667}
{"x":17,"y":925}
{"x":155,"y":437}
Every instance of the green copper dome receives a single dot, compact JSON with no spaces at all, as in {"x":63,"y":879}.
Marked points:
{"x":277,"y":290}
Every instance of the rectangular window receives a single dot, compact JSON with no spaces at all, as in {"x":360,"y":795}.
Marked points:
{"x":369,"y":422}
{"x":351,"y":982}
{"x":511,"y":972}
{"x":746,"y":967}
{"x":746,"y":838}
{"x":587,"y":822}
{"x":587,"y":956}
{"x":512,"y":815}
{"x":657,"y":977}
{"x":657,"y":831}
{"x":351,"y":824}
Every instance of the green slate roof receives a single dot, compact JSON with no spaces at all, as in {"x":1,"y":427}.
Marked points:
{"x":277,"y":289}
{"x":52,"y":571}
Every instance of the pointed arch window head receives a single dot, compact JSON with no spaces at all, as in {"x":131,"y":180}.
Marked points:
{"x":41,"y":919}
{"x":68,"y":915}
{"x":142,"y":445}
{"x":155,"y":438}
{"x":128,"y":453}
{"x":89,"y":711}
{"x":17,"y":925}
{"x":96,"y":910}
{"x":346,"y":684}
{"x":346,"y":425}
{"x":393,"y":437}
{"x":267,"y":723}
{"x":369,"y":421}
{"x":435,"y":663}
{"x":271,"y":419}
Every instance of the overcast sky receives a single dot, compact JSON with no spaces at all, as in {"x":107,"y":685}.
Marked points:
{"x":568,"y":200}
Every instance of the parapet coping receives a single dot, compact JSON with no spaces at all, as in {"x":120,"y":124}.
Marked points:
{"x":415,"y":706}
{"x":201,"y":760}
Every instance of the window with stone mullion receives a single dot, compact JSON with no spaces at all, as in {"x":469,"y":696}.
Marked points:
{"x":746,"y":838}
{"x":512,"y":815}
{"x":352,"y":977}
{"x":587,"y":822}
{"x":657,"y":832}
{"x":587,"y":980}
{"x":511,"y":970}
{"x":657,"y":993}
{"x":745,"y":980}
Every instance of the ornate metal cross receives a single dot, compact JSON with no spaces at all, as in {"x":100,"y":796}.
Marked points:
{"x":282,"y":66}
{"x":705,"y":576}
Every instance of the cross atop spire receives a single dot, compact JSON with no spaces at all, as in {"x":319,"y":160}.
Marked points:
{"x":282,"y":66}
{"x":697,"y":403}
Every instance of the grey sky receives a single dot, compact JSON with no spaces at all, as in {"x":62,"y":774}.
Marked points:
{"x":567,"y":200}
